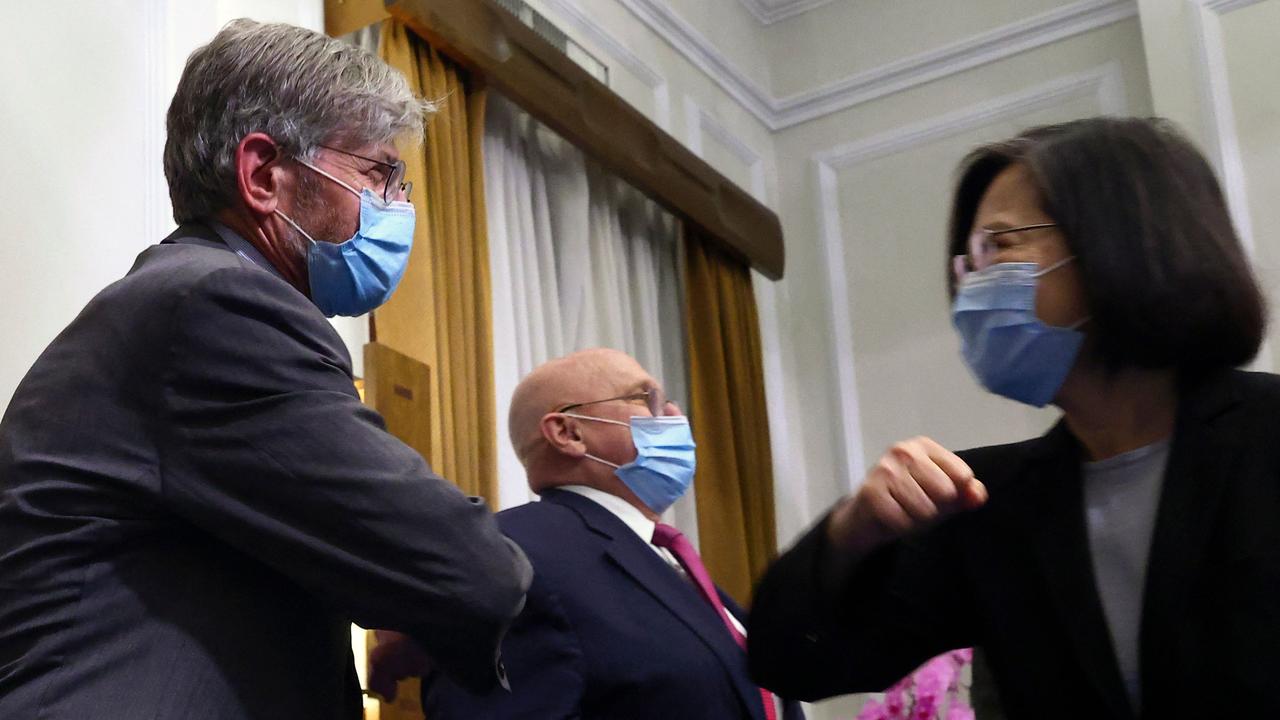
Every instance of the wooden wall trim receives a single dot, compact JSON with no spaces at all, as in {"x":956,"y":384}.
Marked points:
{"x":346,"y":16}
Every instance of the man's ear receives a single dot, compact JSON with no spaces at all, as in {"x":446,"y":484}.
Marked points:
{"x":563,"y":434}
{"x":260,"y":173}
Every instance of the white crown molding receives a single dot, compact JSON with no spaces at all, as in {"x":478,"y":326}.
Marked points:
{"x":769,"y":12}
{"x":781,"y":113}
{"x":576,"y":16}
{"x":1105,"y":83}
{"x":700,"y":123}
{"x":703,"y":54}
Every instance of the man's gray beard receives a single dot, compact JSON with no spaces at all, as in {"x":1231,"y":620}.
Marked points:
{"x":317,"y":218}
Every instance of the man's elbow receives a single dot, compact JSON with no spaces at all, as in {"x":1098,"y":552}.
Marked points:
{"x":497,"y":590}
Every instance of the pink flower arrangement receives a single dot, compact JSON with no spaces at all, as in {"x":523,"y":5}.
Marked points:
{"x":932,"y":692}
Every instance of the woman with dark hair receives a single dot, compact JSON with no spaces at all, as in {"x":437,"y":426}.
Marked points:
{"x":1127,"y":563}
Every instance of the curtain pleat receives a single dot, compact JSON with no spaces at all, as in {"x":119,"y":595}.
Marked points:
{"x":441,"y":312}
{"x":729,"y":417}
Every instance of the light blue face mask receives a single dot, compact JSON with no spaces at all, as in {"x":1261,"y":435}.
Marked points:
{"x":353,"y":277}
{"x":665,"y":459}
{"x":1010,"y":350}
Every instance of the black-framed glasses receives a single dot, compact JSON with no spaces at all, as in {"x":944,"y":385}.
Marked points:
{"x":982,"y":248}
{"x":395,"y":186}
{"x":654,"y":398}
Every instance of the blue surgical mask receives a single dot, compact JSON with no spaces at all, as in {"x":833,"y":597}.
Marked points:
{"x":1011,"y":351}
{"x":665,"y":460}
{"x":353,"y":277}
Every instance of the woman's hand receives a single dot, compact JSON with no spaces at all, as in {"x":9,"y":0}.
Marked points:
{"x":916,"y":483}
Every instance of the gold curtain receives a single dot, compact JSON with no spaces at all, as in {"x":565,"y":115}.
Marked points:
{"x":730,"y":420}
{"x":441,"y":312}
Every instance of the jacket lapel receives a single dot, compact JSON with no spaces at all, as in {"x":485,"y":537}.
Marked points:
{"x":1205,"y":454}
{"x":1061,"y":544}
{"x":1204,"y":451}
{"x":639,"y":561}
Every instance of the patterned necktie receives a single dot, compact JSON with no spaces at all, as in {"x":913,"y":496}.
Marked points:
{"x":665,"y":536}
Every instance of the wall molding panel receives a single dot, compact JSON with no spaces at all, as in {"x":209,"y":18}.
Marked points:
{"x":573,"y":14}
{"x":1220,"y":119}
{"x":700,"y":51}
{"x":1105,"y":83}
{"x":769,"y":12}
{"x":1215,"y":91}
{"x":1222,"y":7}
{"x":700,"y":124}
{"x":778,"y":113}
{"x":1002,"y":42}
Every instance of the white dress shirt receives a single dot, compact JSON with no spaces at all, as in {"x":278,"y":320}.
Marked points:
{"x":642,"y":526}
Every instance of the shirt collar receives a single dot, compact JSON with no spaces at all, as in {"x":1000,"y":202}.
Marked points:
{"x":629,"y":514}
{"x":243,"y":248}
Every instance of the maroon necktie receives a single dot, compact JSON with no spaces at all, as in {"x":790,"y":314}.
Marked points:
{"x":665,"y":536}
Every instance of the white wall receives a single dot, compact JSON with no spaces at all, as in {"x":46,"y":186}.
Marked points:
{"x":86,"y":87}
{"x":81,"y":162}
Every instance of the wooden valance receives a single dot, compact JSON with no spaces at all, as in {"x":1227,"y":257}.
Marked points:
{"x":489,"y":41}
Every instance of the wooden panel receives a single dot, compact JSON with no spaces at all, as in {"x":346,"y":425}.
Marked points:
{"x":511,"y":57}
{"x":396,"y":386}
{"x":344,"y":16}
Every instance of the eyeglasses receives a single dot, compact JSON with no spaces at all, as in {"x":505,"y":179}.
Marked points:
{"x":395,"y":186}
{"x":654,"y":398}
{"x":983,"y":248}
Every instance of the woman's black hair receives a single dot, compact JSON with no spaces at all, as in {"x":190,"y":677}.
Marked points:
{"x":1166,"y":280}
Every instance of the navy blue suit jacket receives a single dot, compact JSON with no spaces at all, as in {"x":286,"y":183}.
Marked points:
{"x":609,"y":630}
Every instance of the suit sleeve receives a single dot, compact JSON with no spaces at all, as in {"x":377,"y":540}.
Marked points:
{"x":544,"y":663}
{"x":268,"y":447}
{"x":812,"y":636}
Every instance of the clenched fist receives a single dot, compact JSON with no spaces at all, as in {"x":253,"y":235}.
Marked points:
{"x":916,"y":483}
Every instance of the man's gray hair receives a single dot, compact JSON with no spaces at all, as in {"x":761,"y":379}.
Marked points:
{"x":298,"y":86}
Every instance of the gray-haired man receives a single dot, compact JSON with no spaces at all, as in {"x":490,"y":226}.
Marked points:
{"x":193,"y":502}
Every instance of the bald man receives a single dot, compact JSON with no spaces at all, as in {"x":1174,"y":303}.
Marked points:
{"x":621,"y":621}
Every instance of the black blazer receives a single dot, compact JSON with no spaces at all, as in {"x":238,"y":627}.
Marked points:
{"x":610,"y":631}
{"x":1015,"y":578}
{"x":194,"y":505}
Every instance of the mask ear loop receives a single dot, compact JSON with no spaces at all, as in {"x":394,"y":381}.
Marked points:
{"x":597,"y":419}
{"x":295,"y":225}
{"x":601,"y":460}
{"x":350,"y":189}
{"x":1077,"y":324}
{"x":1054,"y":266}
{"x":289,"y":220}
{"x":603,"y":420}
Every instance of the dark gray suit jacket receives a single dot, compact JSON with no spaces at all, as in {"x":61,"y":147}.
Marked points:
{"x":194,"y":505}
